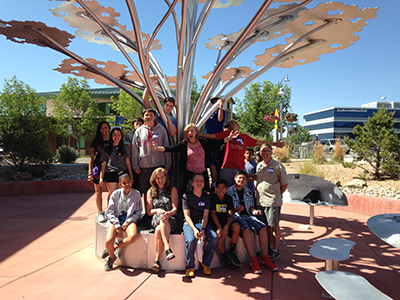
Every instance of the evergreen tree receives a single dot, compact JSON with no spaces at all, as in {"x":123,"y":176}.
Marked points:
{"x":377,"y":143}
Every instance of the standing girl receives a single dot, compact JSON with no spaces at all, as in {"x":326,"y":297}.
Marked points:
{"x":100,"y":141}
{"x":116,"y":161}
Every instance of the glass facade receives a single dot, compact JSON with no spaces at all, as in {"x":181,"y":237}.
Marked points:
{"x":340,"y":121}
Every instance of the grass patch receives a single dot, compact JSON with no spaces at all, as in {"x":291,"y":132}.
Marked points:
{"x":311,"y":168}
{"x":283,"y":154}
{"x":338,"y":151}
{"x":317,"y":155}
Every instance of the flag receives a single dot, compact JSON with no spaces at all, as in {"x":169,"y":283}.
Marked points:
{"x":276,"y":121}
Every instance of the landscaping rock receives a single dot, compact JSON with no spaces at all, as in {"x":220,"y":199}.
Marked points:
{"x":356,"y":183}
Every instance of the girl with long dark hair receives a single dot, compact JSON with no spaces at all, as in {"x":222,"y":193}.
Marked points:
{"x":100,"y":140}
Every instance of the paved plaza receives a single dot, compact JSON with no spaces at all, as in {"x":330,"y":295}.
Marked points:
{"x":47,"y":252}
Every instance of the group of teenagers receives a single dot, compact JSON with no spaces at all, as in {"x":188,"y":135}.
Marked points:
{"x":137,"y":172}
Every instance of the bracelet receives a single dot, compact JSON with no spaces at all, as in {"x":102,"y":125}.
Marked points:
{"x":89,"y":174}
{"x":203,"y":229}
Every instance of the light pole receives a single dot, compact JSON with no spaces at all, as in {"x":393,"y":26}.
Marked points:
{"x":281,"y":94}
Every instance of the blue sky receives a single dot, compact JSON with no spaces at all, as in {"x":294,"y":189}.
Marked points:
{"x":362,"y":73}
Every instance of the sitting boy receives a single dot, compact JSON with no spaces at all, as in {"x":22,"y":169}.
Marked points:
{"x":123,"y":212}
{"x":245,"y":216}
{"x":222,"y":222}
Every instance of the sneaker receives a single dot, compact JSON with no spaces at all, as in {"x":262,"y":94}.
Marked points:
{"x":109,"y":264}
{"x":226,"y":259}
{"x":270,"y":251}
{"x":101,"y":217}
{"x":267,"y":263}
{"x":105,"y":254}
{"x":234,"y":259}
{"x":255,"y":267}
{"x":275,"y":255}
{"x":206,"y":270}
{"x":190,"y":273}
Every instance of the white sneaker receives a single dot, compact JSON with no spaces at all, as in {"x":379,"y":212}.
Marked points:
{"x":101,"y":216}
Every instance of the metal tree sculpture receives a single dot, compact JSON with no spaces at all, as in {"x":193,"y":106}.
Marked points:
{"x":309,"y":31}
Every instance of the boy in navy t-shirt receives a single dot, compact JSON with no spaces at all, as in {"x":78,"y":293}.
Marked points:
{"x":222,"y":222}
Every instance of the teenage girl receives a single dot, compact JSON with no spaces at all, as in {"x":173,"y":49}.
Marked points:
{"x":123,"y":212}
{"x":101,"y":139}
{"x":116,"y":161}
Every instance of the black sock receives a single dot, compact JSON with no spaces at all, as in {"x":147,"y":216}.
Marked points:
{"x":233,"y":247}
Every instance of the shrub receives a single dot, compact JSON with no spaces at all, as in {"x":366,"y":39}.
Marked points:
{"x":350,"y":165}
{"x":338,"y":151}
{"x":66,"y":155}
{"x":311,"y":168}
{"x":363,"y":176}
{"x":317,"y":155}
{"x":283,"y":154}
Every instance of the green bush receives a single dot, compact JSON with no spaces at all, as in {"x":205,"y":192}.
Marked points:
{"x":350,"y":165}
{"x":66,"y":155}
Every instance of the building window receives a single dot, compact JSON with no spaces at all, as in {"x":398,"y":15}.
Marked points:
{"x":82,"y":142}
{"x":61,"y":141}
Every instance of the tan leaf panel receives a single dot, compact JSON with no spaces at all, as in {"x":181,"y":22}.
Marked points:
{"x":338,"y":36}
{"x":19,"y":32}
{"x":89,"y":30}
{"x":71,"y":66}
{"x":230,"y":72}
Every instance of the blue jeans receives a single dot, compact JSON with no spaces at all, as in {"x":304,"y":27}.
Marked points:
{"x":191,"y":242}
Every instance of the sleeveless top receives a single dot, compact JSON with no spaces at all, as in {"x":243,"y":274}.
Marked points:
{"x":164,"y":202}
{"x":195,"y":158}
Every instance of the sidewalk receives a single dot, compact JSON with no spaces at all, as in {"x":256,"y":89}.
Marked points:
{"x":47,"y":252}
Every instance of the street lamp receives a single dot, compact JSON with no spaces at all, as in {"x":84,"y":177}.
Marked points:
{"x":281,"y":94}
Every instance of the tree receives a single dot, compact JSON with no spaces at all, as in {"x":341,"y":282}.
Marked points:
{"x":258,"y":100}
{"x":75,"y":107}
{"x":377,"y":143}
{"x":127,"y":107}
{"x":299,"y":135}
{"x":23,"y":124}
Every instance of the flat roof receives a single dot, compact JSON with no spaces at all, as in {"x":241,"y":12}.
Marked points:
{"x":98,"y":93}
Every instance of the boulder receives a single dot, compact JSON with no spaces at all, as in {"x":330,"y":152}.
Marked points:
{"x":356,"y":183}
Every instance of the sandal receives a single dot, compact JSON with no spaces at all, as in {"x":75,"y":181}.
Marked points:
{"x":156,"y":266}
{"x":169,"y":254}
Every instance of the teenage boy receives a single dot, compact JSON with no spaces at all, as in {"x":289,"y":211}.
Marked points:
{"x":271,"y":184}
{"x":245,"y":216}
{"x":222,"y":222}
{"x":145,"y":160}
{"x":136,"y":123}
{"x":168,"y":107}
{"x":250,"y":166}
{"x":213,"y":125}
{"x":235,"y":149}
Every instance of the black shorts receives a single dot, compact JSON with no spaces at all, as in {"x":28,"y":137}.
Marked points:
{"x":215,"y":228}
{"x":113,"y":176}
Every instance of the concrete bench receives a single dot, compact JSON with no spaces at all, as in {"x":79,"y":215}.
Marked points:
{"x":332,"y":250}
{"x":141,"y":254}
{"x":349,"y":286}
